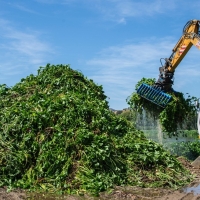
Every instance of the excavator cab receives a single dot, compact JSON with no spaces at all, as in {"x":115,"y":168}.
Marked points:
{"x":159,"y":93}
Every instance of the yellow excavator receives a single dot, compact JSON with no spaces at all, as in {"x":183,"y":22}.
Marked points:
{"x":159,"y":93}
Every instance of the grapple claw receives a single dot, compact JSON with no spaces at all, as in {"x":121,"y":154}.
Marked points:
{"x":154,"y":95}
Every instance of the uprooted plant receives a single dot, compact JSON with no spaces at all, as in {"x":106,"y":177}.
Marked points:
{"x":176,"y":114}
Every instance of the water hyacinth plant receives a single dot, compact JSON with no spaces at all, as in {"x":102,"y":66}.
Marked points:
{"x":173,"y":116}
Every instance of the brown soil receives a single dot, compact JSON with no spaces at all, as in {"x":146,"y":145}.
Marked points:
{"x":127,"y":193}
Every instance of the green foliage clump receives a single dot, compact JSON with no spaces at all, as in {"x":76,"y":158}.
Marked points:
{"x":173,"y":116}
{"x":58,"y":134}
{"x":189,"y":149}
{"x":127,"y":114}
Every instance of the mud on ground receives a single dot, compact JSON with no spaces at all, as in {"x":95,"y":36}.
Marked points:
{"x":127,"y":193}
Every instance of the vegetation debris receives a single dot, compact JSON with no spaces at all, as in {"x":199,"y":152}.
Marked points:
{"x":58,"y":134}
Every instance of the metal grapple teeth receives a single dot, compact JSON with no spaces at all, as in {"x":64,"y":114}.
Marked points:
{"x":154,"y":95}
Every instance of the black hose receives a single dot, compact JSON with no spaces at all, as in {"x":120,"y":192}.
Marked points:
{"x":187,"y":25}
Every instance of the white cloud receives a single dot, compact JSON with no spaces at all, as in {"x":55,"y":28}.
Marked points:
{"x":27,"y":44}
{"x":22,"y":7}
{"x":122,"y":21}
{"x":56,"y":2}
{"x":46,"y":1}
{"x":21,"y":52}
{"x":117,"y":10}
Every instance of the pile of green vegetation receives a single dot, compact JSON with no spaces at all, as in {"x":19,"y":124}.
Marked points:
{"x":173,"y":117}
{"x":58,"y":134}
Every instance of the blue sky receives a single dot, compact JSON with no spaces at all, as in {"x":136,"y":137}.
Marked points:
{"x":113,"y":42}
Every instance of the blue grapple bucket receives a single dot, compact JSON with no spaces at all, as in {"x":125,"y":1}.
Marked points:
{"x":154,"y":95}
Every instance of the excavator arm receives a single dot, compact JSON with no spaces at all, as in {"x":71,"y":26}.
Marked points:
{"x":190,"y":37}
{"x":158,"y":92}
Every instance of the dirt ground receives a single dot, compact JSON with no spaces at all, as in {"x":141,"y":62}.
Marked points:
{"x":128,"y":193}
